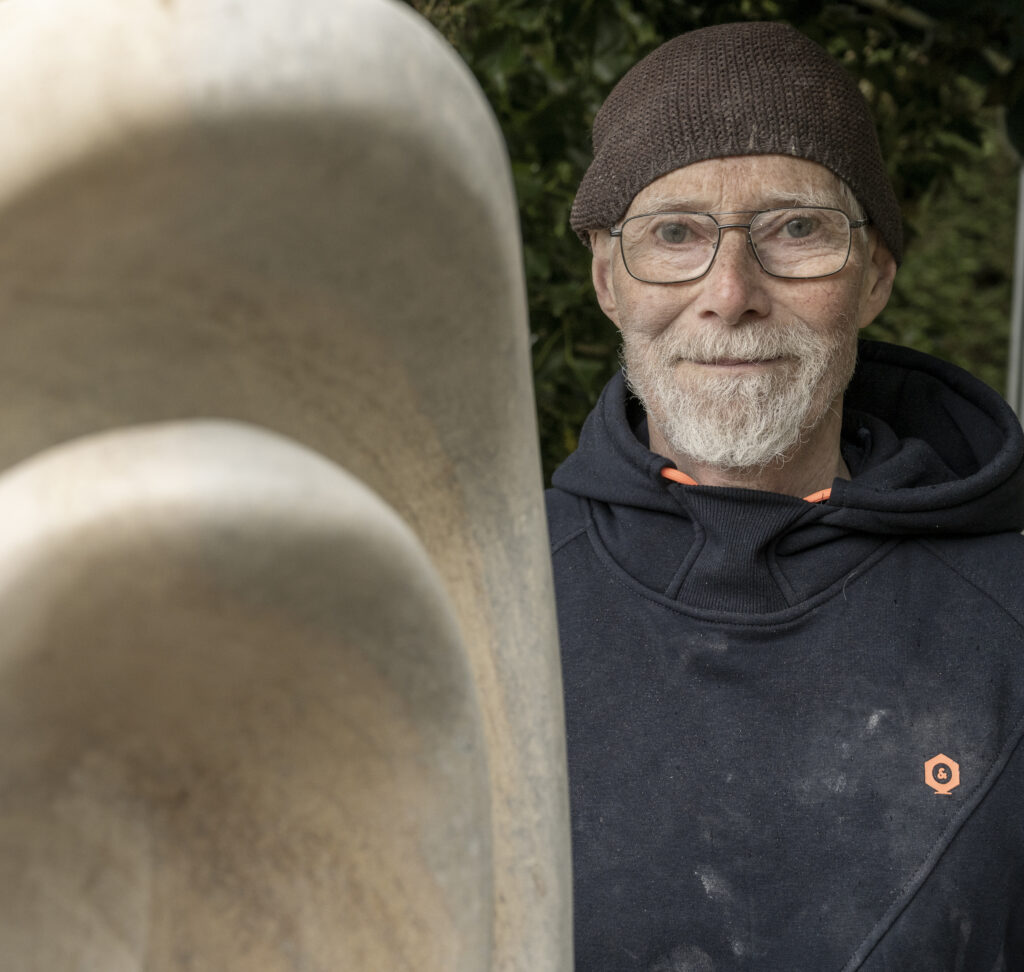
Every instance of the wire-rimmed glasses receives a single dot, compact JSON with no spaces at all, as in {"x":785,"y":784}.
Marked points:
{"x":798,"y":243}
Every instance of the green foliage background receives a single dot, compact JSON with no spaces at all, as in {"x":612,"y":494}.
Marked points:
{"x":945,"y":81}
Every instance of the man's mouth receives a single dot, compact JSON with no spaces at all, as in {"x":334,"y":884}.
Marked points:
{"x":737,"y":362}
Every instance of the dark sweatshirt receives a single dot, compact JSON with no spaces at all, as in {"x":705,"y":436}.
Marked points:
{"x":794,"y":728}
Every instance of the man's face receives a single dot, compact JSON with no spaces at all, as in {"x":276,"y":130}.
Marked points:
{"x":739,"y":369}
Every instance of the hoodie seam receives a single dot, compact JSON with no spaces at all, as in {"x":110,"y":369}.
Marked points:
{"x":938,"y":850}
{"x":675,"y":585}
{"x":581,"y":509}
{"x":566,"y":540}
{"x":981,"y":791}
{"x":772,"y":558}
{"x":775,"y":568}
{"x":787,"y":615}
{"x":973,"y":582}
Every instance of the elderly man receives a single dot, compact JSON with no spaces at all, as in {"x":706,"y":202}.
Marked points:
{"x":787,"y":564}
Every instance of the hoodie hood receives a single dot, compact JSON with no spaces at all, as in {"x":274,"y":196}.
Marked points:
{"x":932,"y":452}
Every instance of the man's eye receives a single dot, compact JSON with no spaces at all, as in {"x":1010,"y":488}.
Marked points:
{"x":800,"y":227}
{"x":673,"y":232}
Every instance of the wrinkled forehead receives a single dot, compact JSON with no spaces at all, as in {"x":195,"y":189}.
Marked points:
{"x":742,"y":183}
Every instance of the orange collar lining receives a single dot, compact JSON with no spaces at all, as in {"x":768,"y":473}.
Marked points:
{"x":677,"y":476}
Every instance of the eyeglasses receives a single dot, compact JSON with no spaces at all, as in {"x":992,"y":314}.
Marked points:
{"x":799,"y":243}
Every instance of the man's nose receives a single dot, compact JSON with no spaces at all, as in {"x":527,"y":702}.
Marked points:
{"x":734,"y":289}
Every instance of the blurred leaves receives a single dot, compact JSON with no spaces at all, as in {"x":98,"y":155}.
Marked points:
{"x":945,"y":80}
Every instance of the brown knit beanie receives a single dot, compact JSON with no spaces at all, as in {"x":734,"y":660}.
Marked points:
{"x":755,"y":88}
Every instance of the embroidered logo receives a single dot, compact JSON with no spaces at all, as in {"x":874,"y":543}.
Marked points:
{"x":942,"y":774}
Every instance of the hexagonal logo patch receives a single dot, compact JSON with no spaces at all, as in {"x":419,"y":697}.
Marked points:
{"x":942,"y":774}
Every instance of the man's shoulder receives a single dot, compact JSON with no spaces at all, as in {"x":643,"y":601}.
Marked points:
{"x":568,"y":516}
{"x":992,"y":564}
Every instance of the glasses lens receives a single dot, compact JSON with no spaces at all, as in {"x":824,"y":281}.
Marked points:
{"x":801,"y":242}
{"x":668,"y":247}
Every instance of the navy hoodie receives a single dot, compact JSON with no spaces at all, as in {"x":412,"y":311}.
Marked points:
{"x":794,"y":728}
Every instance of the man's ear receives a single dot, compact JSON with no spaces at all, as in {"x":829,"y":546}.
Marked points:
{"x":881,"y":272}
{"x":601,"y":272}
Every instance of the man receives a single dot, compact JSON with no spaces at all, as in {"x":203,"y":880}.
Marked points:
{"x":790,"y":604}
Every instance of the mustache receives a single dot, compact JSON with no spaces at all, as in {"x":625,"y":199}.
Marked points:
{"x":759,"y":343}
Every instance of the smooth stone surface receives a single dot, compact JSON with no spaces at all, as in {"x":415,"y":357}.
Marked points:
{"x":300,"y":216}
{"x":240,"y":729}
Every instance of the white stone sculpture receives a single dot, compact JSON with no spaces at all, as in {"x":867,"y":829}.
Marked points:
{"x":296,"y":216}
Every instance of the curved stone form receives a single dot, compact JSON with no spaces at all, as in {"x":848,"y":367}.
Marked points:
{"x":300,"y":216}
{"x":240,"y":729}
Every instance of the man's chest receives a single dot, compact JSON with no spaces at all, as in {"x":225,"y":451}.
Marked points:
{"x":796,"y":792}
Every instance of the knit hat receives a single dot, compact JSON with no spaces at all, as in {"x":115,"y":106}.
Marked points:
{"x":755,"y":88}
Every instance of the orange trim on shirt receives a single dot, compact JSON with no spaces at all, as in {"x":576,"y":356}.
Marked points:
{"x":670,"y":472}
{"x":677,"y":476}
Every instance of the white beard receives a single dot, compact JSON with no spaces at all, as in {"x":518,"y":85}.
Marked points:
{"x":740,"y":421}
